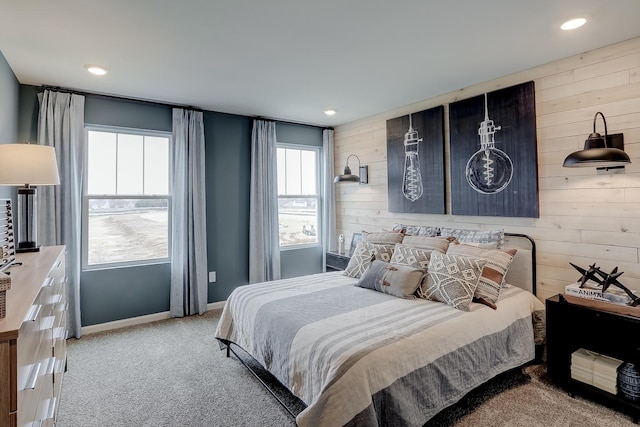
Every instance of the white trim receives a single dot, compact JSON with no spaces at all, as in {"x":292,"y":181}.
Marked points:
{"x":140,"y":320}
{"x":219,"y":305}
{"x":317,"y":196}
{"x":86,"y":196}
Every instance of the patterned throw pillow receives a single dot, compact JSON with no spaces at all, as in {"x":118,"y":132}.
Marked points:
{"x":362,"y":255}
{"x":417,"y":230}
{"x":383,"y":237}
{"x":425,"y":242}
{"x":474,"y":236}
{"x":393,"y":279}
{"x":493,"y":273}
{"x":410,"y":256}
{"x":453,"y":279}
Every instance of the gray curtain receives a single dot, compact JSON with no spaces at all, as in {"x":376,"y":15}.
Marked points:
{"x":329,"y":196}
{"x":61,"y":125}
{"x":264,"y":240}
{"x":188,"y":216}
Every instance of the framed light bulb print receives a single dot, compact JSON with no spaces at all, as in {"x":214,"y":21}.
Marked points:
{"x":493,"y":154}
{"x":415,"y":162}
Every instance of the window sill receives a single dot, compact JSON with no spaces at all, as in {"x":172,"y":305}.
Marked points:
{"x":123,"y":265}
{"x":296,"y":247}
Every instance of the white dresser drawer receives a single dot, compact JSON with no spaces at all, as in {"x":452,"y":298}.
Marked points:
{"x":38,"y":387}
{"x":36,"y":308}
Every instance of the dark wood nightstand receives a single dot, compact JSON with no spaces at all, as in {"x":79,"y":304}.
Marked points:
{"x":572,"y":326}
{"x":336,"y":262}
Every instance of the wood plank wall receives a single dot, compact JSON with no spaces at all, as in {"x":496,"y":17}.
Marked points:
{"x":585,"y":216}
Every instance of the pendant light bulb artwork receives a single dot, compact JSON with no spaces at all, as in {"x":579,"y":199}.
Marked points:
{"x":415,"y":162}
{"x":490,"y":169}
{"x":500,"y":177}
{"x":412,"y":177}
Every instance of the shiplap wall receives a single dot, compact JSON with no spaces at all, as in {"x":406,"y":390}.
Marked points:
{"x":585,"y":217}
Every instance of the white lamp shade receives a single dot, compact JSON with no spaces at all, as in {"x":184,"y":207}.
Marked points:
{"x":31,"y":164}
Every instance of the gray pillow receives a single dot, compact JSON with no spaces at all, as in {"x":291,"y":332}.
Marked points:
{"x":393,"y":279}
{"x":362,"y":257}
{"x":493,"y":273}
{"x":417,"y":230}
{"x":413,"y":257}
{"x":453,"y":279}
{"x":474,"y":236}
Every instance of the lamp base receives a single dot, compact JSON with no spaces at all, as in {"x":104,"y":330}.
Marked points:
{"x":27,"y":223}
{"x":28,"y":250}
{"x":27,"y":247}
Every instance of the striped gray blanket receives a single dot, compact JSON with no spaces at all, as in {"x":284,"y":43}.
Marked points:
{"x":362,"y":358}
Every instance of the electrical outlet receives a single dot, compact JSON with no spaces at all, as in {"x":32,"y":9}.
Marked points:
{"x":212,"y":276}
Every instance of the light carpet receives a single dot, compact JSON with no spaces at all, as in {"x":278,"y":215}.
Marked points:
{"x":172,"y":373}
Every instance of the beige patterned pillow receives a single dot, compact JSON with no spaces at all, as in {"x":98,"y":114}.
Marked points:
{"x":493,"y":273}
{"x":383,"y":237}
{"x":410,"y":256}
{"x":362,"y":255}
{"x":453,"y":279}
{"x":425,"y":242}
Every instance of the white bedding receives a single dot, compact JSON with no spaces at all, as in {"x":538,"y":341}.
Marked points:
{"x":359,"y":357}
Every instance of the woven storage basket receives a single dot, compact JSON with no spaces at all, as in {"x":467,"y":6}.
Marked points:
{"x":3,"y":304}
{"x":629,"y":381}
{"x":5,"y":285}
{"x":5,"y":282}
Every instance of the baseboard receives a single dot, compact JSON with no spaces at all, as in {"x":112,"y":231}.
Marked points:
{"x":140,"y":320}
{"x":215,"y":305}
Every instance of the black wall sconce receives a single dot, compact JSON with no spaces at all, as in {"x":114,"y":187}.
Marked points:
{"x":347,"y":176}
{"x":604,"y":152}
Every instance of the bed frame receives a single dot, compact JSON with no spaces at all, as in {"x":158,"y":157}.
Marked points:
{"x":523,"y":241}
{"x":292,"y":404}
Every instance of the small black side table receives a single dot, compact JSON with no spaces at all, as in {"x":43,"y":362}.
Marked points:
{"x":570,"y":327}
{"x":336,"y":262}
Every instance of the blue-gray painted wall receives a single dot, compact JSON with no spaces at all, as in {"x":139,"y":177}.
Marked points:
{"x":228,"y":159}
{"x":119,"y":293}
{"x":9,"y":89}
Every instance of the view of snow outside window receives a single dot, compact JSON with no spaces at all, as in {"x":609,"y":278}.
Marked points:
{"x":298,"y":198}
{"x":127,"y":198}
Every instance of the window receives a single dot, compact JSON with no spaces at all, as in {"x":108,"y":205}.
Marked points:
{"x":298,"y":195}
{"x":126,"y":203}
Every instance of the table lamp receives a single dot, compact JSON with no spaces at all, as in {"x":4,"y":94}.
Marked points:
{"x":27,"y":165}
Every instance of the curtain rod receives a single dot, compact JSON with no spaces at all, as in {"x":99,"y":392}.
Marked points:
{"x":166,"y":104}
{"x":122,"y":98}
{"x":269,"y":119}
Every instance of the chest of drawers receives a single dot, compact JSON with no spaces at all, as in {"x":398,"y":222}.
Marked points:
{"x":33,"y":339}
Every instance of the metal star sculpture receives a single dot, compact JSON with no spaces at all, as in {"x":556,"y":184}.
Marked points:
{"x":587,"y":274}
{"x":605,"y":280}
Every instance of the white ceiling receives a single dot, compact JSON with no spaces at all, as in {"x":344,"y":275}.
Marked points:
{"x":292,"y":59}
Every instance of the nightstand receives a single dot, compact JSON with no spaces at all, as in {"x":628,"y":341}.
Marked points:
{"x":336,"y":262}
{"x":572,"y":326}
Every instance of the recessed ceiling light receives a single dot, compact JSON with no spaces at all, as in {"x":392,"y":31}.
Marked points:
{"x":573,"y":24}
{"x":330,"y":112}
{"x":96,"y":69}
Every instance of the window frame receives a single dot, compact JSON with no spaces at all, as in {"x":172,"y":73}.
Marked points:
{"x":317,"y":196}
{"x":86,"y":197}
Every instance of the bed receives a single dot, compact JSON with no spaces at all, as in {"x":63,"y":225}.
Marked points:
{"x":358,"y":357}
